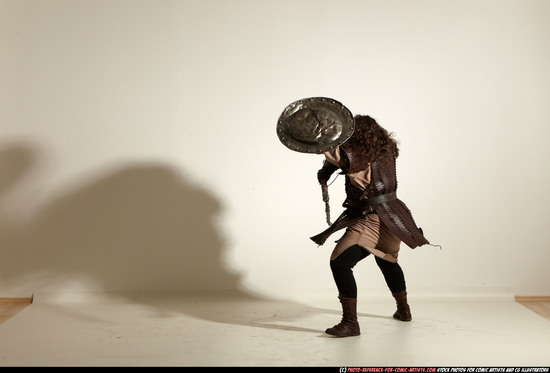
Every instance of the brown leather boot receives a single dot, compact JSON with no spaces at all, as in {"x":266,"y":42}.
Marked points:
{"x":349,"y":326}
{"x":403,"y":312}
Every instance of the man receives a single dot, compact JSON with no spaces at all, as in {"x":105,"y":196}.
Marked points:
{"x":376,"y":221}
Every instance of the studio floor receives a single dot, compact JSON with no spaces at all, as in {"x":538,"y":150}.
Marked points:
{"x":242,"y":329}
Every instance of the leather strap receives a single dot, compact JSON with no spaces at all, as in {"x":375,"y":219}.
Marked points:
{"x":376,"y":200}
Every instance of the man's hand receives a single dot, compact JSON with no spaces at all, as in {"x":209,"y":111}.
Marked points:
{"x":324,"y":174}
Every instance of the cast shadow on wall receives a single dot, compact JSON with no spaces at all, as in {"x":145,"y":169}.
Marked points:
{"x":135,"y":228}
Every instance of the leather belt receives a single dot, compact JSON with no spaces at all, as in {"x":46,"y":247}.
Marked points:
{"x":376,"y":200}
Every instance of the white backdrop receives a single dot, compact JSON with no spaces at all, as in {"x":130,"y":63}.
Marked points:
{"x":138,"y":148}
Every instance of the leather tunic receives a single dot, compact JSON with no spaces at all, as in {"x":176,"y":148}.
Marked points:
{"x":379,"y":197}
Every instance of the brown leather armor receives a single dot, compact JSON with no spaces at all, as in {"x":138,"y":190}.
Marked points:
{"x":379,"y":197}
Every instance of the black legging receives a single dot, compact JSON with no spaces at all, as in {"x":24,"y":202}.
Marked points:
{"x":342,"y":271}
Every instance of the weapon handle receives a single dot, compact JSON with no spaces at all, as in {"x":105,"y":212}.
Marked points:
{"x":324,"y":190}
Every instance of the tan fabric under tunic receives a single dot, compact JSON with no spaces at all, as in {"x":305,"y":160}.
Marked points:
{"x":369,"y":232}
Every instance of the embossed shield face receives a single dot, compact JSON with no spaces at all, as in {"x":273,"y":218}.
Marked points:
{"x":315,"y":125}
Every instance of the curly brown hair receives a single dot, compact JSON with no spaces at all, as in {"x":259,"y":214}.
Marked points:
{"x":370,"y":140}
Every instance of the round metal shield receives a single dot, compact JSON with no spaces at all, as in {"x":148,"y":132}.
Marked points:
{"x":315,"y":125}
